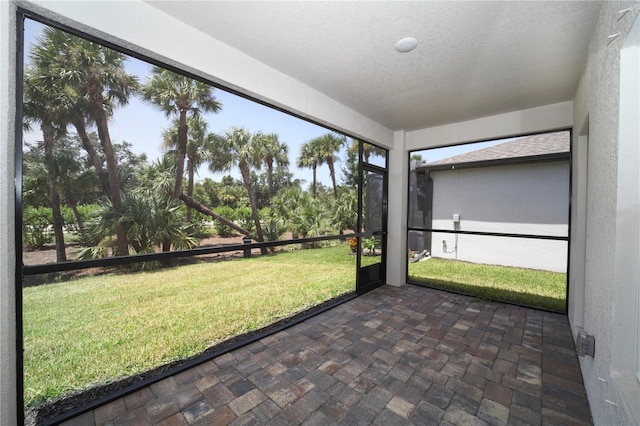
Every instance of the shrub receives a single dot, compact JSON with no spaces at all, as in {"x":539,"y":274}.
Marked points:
{"x":369,"y":244}
{"x":244,"y":215}
{"x":36,"y":227}
{"x":221,"y":229}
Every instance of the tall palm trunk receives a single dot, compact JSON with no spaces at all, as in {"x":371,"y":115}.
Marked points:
{"x":313,"y":188}
{"x":270,"y":179}
{"x":71,"y":200}
{"x":332,"y":172}
{"x":191,"y":172}
{"x":58,"y":223}
{"x":101,"y":120}
{"x":182,"y":152}
{"x":246,"y":177}
{"x":197,"y":205}
{"x":78,"y":123}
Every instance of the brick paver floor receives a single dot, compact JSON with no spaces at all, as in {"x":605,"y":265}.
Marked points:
{"x":393,"y":356}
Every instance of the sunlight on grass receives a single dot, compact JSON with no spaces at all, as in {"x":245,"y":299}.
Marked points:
{"x":97,"y":329}
{"x":529,"y":287}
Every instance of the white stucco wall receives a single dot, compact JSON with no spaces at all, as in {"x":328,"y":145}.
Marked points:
{"x":603,"y":296}
{"x":397,"y":212}
{"x":517,"y":199}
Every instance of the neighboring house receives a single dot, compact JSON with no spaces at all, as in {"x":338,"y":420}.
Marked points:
{"x":517,"y":187}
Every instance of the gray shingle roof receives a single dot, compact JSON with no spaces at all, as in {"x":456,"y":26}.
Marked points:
{"x":529,"y":146}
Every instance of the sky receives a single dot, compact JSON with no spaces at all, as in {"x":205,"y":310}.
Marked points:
{"x":142,"y":124}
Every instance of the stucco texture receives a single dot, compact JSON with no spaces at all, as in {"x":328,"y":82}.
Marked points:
{"x":597,"y":100}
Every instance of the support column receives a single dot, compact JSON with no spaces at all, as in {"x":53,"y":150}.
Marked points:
{"x":397,"y":212}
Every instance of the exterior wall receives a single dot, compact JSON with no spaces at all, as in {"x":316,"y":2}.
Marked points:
{"x":518,"y":199}
{"x":604,"y":291}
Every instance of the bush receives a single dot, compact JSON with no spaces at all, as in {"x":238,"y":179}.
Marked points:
{"x":37,"y":227}
{"x":221,"y":229}
{"x":245,"y":217}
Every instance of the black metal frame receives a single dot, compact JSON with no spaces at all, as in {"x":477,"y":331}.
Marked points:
{"x":492,"y":234}
{"x":18,"y":218}
{"x":536,"y":159}
{"x":149,"y":257}
{"x":22,"y":270}
{"x":361,"y":285}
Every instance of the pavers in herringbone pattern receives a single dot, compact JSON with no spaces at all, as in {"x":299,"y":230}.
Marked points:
{"x":407,"y":355}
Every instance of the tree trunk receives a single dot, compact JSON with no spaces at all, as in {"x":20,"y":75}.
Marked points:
{"x":332,"y":172}
{"x":192,"y":202}
{"x":101,"y":120}
{"x":71,"y":200}
{"x":182,"y":152}
{"x":313,"y":188}
{"x":78,"y":123}
{"x":54,"y":196}
{"x":246,"y":177}
{"x":191,"y":172}
{"x":270,"y":180}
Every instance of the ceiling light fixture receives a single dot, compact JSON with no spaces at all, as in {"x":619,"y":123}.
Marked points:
{"x":406,"y":44}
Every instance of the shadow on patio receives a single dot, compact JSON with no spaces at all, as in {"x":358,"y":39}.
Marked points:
{"x":407,"y":355}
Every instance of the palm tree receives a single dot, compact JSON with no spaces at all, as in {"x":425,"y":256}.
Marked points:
{"x":244,"y":152}
{"x":91,"y":81}
{"x":150,"y":219}
{"x":178,"y":95}
{"x":198,"y":149}
{"x":367,"y":149}
{"x":40,"y":106}
{"x":273,"y":151}
{"x":305,"y":215}
{"x":309,"y":159}
{"x":326,"y":147}
{"x":76,"y":178}
{"x":345,"y":210}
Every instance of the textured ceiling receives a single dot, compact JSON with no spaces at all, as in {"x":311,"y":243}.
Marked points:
{"x":473,"y":58}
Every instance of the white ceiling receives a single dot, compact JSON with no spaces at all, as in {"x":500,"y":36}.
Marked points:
{"x":473,"y":59}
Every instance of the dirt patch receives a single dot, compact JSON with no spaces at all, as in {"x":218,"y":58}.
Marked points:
{"x":47,"y":255}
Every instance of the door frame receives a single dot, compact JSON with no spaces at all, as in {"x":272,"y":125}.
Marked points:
{"x":372,"y":276}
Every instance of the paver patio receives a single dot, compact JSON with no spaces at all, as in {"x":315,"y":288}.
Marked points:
{"x":393,"y":356}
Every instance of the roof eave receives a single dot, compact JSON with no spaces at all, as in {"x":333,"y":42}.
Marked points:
{"x":542,"y":158}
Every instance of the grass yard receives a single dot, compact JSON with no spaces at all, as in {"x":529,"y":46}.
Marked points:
{"x":97,"y":329}
{"x":529,"y":287}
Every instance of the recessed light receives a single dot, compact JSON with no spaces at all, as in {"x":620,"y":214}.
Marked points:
{"x":406,"y":44}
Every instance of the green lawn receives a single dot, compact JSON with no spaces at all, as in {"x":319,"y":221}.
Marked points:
{"x":97,"y":329}
{"x":529,"y":287}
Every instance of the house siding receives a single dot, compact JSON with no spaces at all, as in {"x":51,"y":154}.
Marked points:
{"x":515,"y":199}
